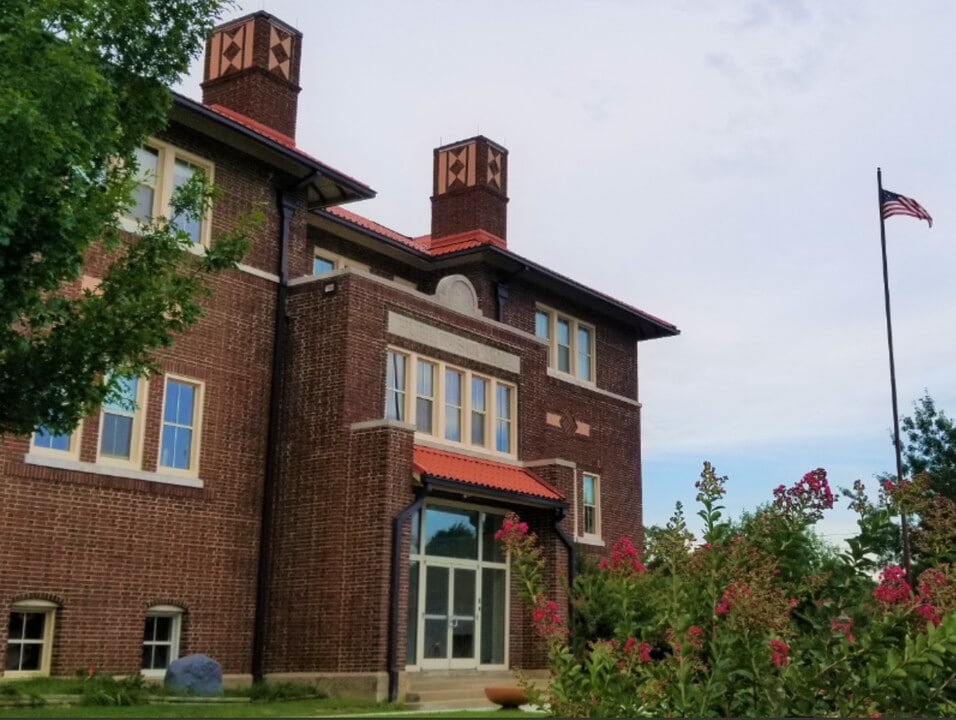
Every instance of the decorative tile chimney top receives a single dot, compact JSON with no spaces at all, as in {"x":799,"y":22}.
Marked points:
{"x":252,"y":67}
{"x":470,"y":200}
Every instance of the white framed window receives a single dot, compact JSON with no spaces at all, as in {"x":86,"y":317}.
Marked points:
{"x":161,"y":632}
{"x":162,"y":168}
{"x":450,"y":403}
{"x":121,"y":425}
{"x":327,"y":261}
{"x":29,"y":638}
{"x":181,"y":423}
{"x":63,"y":445}
{"x":571,"y":342}
{"x":590,"y":505}
{"x":395,"y":386}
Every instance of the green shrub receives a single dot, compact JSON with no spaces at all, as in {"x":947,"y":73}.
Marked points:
{"x":758,"y":619}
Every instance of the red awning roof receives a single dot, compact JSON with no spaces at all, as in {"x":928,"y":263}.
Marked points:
{"x":483,"y":473}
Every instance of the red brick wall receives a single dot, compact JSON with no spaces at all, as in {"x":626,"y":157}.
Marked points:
{"x":108,"y":547}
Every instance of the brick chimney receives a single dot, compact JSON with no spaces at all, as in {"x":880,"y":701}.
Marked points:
{"x":470,"y":200}
{"x":252,"y":67}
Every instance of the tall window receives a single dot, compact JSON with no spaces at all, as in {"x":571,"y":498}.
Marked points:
{"x":425,"y":397}
{"x":121,"y":423}
{"x":179,"y":440}
{"x":395,"y":386}
{"x":479,"y":411}
{"x":162,"y":168}
{"x":29,"y":638}
{"x":451,"y":403}
{"x":182,"y":173}
{"x":571,"y":343}
{"x":590,"y":510}
{"x":161,"y":637}
{"x":503,"y":416}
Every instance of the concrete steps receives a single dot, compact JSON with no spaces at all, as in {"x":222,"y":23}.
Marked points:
{"x":455,"y":689}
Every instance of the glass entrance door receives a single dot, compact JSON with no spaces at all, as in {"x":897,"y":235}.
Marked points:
{"x":450,"y":617}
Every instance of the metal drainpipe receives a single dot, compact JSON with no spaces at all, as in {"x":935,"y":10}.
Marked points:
{"x":558,"y":517}
{"x":392,"y":647}
{"x":287,"y":204}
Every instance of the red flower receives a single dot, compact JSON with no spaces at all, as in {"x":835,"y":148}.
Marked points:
{"x":629,"y":644}
{"x":893,"y":587}
{"x":842,"y":625}
{"x":644,"y":652}
{"x":779,"y":652}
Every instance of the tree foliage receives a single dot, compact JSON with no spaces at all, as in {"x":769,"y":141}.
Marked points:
{"x":930,"y":446}
{"x":82,"y":84}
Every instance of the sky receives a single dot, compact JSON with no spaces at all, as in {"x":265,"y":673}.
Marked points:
{"x":712,"y":162}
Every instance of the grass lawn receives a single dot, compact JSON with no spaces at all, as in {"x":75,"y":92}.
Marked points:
{"x":107,"y":697}
{"x":276,"y":709}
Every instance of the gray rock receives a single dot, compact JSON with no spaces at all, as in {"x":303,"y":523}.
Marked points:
{"x":197,"y":673}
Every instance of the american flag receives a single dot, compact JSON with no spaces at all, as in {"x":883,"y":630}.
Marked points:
{"x":893,"y":204}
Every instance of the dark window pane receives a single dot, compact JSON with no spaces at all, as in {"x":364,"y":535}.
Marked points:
{"x":15,"y":628}
{"x":411,"y":642}
{"x":164,"y":629}
{"x":12,"y":661}
{"x":149,"y":628}
{"x":451,"y":532}
{"x":491,"y":548}
{"x":30,"y":657}
{"x":147,"y":662}
{"x":160,"y":657}
{"x":33,"y":627}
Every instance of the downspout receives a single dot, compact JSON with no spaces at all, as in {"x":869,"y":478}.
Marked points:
{"x":501,"y":293}
{"x":563,"y":536}
{"x":286,"y":201}
{"x":392,"y":646}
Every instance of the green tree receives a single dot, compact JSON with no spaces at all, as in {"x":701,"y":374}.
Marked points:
{"x":82,"y":84}
{"x":930,"y":446}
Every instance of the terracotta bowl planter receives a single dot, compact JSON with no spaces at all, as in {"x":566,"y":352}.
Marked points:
{"x":507,"y":697}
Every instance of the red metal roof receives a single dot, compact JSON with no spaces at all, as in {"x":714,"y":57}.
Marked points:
{"x":478,"y":471}
{"x":420,"y":243}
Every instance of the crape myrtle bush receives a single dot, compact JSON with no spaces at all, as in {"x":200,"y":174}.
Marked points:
{"x":758,"y":618}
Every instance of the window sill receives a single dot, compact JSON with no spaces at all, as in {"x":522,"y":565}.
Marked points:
{"x":113,"y":471}
{"x":588,"y":385}
{"x":589,"y":540}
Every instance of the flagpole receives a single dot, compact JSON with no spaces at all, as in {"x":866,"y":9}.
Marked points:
{"x":904,"y":529}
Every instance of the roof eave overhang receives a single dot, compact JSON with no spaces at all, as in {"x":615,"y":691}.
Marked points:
{"x":645,"y":327}
{"x":326,"y":186}
{"x":470,"y":489}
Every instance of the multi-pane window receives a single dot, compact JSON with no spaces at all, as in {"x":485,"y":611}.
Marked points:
{"x":571,"y":343}
{"x":29,"y":638}
{"x":179,"y":440}
{"x":121,"y":421}
{"x":161,"y":637}
{"x":451,"y":403}
{"x":162,"y":168}
{"x":590,"y":510}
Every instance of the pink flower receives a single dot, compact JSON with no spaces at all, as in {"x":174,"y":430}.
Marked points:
{"x":624,"y":557}
{"x":928,"y":611}
{"x":629,"y":644}
{"x":694,"y":637}
{"x":842,"y":624}
{"x":779,"y":652}
{"x":644,"y":652}
{"x":893,"y":587}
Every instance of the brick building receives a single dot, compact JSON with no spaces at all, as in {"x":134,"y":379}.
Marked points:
{"x":310,"y":487}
